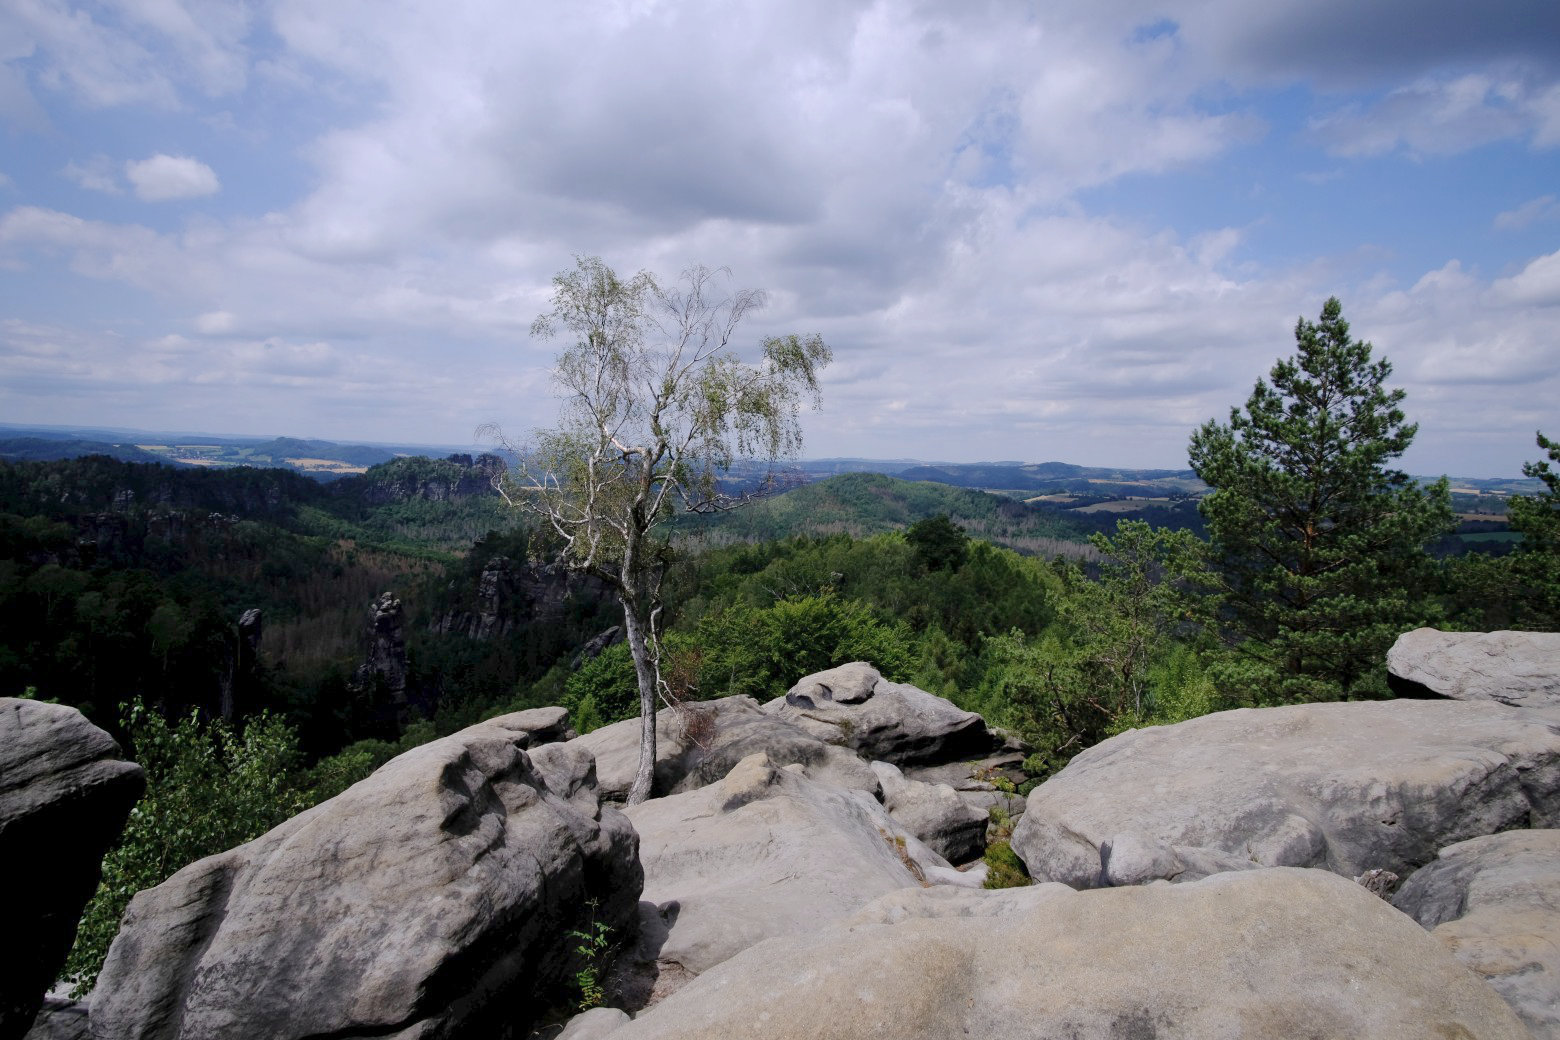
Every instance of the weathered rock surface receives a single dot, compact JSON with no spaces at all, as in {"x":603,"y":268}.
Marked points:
{"x":1275,"y":953}
{"x":935,"y":813}
{"x":1348,"y":787}
{"x":1495,"y":903}
{"x":542,"y":725}
{"x":60,"y":1019}
{"x":432,"y":899}
{"x":765,"y":852}
{"x":65,"y":793}
{"x":702,"y":742}
{"x":855,"y":707}
{"x":1516,"y":668}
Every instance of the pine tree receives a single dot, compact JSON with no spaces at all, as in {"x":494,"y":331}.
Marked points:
{"x":1536,"y":563}
{"x":1321,"y":546}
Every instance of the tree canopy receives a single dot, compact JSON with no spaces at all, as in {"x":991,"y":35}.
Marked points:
{"x":1321,"y":544}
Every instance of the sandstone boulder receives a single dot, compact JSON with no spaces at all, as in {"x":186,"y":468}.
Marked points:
{"x":764,"y":852}
{"x":65,"y":793}
{"x":1495,"y":903}
{"x":1272,"y":953}
{"x":855,"y":707}
{"x":1516,"y":668}
{"x":935,"y":813}
{"x":701,"y":742}
{"x":1348,"y":787}
{"x":432,"y":899}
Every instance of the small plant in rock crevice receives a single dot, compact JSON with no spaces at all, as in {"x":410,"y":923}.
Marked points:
{"x":1003,"y":867}
{"x":594,"y":941}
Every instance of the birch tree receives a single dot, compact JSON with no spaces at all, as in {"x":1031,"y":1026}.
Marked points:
{"x":657,"y":408}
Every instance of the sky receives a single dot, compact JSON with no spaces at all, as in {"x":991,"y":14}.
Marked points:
{"x":1065,"y":231}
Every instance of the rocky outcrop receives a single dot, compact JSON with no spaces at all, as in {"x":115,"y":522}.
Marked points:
{"x":1347,"y":787}
{"x":433,"y":899}
{"x":385,"y":661}
{"x":1273,"y":953}
{"x":433,"y":480}
{"x":239,"y":684}
{"x":934,"y":813}
{"x":762,"y":853}
{"x":65,"y":793}
{"x":699,"y":743}
{"x":855,"y":707}
{"x":509,"y":595}
{"x":1516,"y":668}
{"x":1495,"y":903}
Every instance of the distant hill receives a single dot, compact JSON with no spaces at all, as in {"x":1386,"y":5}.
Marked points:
{"x":50,"y":449}
{"x":862,"y":504}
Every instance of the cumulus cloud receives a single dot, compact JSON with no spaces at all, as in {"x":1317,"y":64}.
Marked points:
{"x":164,"y":177}
{"x":919,"y":182}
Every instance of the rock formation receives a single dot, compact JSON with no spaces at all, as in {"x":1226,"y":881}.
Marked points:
{"x":1495,"y":903}
{"x":65,"y":793}
{"x":855,"y":707}
{"x":385,"y":661}
{"x":1271,"y":953}
{"x":934,"y":813}
{"x":433,"y":899}
{"x":764,"y":852}
{"x":700,"y":743}
{"x":1349,"y":787}
{"x":1517,"y":668}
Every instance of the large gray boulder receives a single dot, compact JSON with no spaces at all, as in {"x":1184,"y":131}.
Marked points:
{"x":1273,"y":953}
{"x":935,"y":813}
{"x":65,"y":793}
{"x":432,"y":899}
{"x":1495,"y":903}
{"x":762,"y":853}
{"x":1347,"y":787}
{"x":700,"y":742}
{"x":855,"y":707}
{"x":1516,"y":668}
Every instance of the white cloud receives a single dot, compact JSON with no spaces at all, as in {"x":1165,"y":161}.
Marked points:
{"x":164,"y":177}
{"x":98,"y":173}
{"x":1538,"y":283}
{"x":215,"y":322}
{"x":1534,"y":211}
{"x":1436,"y":116}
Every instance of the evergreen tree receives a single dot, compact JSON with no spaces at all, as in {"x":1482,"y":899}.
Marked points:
{"x":1321,"y":546}
{"x":1536,"y":563}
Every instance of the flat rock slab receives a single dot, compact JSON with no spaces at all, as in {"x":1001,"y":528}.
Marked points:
{"x":1495,"y":903}
{"x":701,"y":742}
{"x":766,"y":852}
{"x":432,"y":899}
{"x":855,"y":707}
{"x":1517,"y":668}
{"x":1347,"y":787}
{"x":1272,"y":953}
{"x":65,"y":793}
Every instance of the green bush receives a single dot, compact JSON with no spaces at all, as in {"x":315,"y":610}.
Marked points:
{"x":209,"y":787}
{"x":1003,"y":867}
